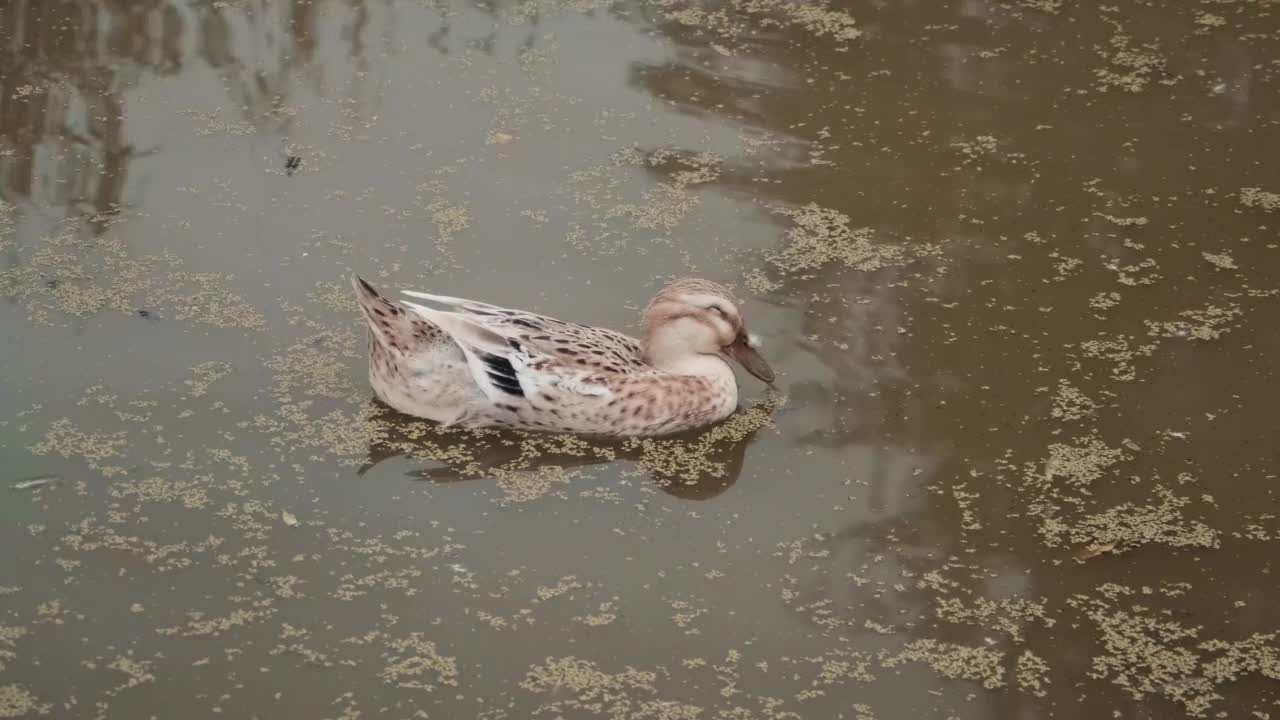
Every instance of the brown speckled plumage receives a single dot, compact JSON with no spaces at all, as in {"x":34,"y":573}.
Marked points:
{"x":477,"y":365}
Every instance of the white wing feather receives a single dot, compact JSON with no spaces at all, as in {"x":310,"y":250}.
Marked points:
{"x":457,"y":303}
{"x":473,"y":338}
{"x":574,"y":382}
{"x":473,"y":335}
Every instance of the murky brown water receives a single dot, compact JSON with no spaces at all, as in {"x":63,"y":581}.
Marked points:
{"x":1017,"y":264}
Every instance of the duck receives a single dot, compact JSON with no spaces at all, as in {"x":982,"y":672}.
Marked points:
{"x":469,"y":364}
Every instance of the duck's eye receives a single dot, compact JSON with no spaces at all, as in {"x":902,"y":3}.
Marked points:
{"x":720,"y":311}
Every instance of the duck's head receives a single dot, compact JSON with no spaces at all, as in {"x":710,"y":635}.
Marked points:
{"x":700,"y":317}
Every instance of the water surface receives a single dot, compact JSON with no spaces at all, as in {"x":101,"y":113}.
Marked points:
{"x":1015,"y":262}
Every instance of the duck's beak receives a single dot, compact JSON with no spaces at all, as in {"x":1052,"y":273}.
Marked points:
{"x":743,"y":350}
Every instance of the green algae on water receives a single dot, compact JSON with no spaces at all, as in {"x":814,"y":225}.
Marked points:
{"x":823,"y":235}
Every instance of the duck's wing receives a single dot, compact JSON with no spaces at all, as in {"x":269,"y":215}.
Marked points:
{"x":506,"y":369}
{"x":461,"y":305}
{"x":581,"y":347}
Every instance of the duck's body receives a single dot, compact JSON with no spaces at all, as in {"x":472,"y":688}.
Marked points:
{"x":478,"y":365}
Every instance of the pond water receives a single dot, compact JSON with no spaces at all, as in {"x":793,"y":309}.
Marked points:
{"x":1016,"y":264}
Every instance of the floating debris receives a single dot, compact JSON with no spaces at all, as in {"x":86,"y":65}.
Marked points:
{"x":289,"y":518}
{"x":37,"y":481}
{"x":1093,"y":551}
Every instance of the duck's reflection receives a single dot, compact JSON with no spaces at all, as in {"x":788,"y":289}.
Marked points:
{"x":697,"y":465}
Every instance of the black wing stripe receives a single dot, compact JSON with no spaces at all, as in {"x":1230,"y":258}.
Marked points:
{"x":502,"y":374}
{"x":505,"y":380}
{"x":506,"y":387}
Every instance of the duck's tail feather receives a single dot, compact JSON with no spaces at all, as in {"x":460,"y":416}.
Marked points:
{"x":392,"y":325}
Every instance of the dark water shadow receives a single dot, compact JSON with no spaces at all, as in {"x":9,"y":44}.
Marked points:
{"x":492,"y":451}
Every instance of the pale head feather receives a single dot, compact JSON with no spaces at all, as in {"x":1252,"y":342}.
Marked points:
{"x":690,"y":317}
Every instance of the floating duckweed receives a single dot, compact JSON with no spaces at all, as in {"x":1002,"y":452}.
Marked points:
{"x":385,"y":433}
{"x":137,"y":670}
{"x":1128,"y":525}
{"x":1210,"y":20}
{"x":15,"y":701}
{"x":65,"y":439}
{"x":336,"y":296}
{"x":1064,"y":482}
{"x":1255,"y":655}
{"x":626,"y":695}
{"x":90,"y":535}
{"x":185,"y":535}
{"x":604,"y":615}
{"x":310,"y":656}
{"x":1253,"y":528}
{"x":1222,"y":260}
{"x":1081,"y":463}
{"x":1146,"y":655}
{"x":75,"y":272}
{"x":758,"y":282}
{"x":1124,"y":221}
{"x":691,"y":460}
{"x":1008,"y":615}
{"x":596,"y":190}
{"x":564,"y":585}
{"x":9,"y":637}
{"x":979,"y":147}
{"x":350,"y":587}
{"x":667,"y":203}
{"x":1121,"y":351}
{"x":686,"y":612}
{"x":527,"y":10}
{"x":1255,"y":197}
{"x":193,"y":494}
{"x":529,"y":476}
{"x":1208,"y":323}
{"x":449,"y":219}
{"x":822,"y":235}
{"x":52,"y":611}
{"x":7,"y":224}
{"x":213,"y":124}
{"x":1065,"y":266}
{"x":1052,"y":7}
{"x":200,"y":625}
{"x":285,"y":586}
{"x":958,"y":662}
{"x":205,"y":297}
{"x":1142,"y":272}
{"x":316,"y":366}
{"x":838,"y":666}
{"x":204,"y":375}
{"x":1131,"y":68}
{"x":815,"y":17}
{"x":344,"y":434}
{"x":1032,"y":673}
{"x":1105,"y":300}
{"x":1070,"y":403}
{"x":862,"y":711}
{"x":414,"y":660}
